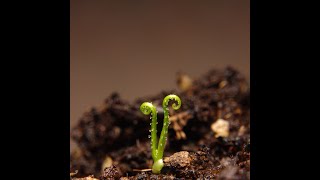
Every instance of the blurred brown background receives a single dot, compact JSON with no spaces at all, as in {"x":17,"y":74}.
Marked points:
{"x":136,"y":47}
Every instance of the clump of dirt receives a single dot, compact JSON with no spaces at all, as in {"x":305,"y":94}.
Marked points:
{"x":209,"y":137}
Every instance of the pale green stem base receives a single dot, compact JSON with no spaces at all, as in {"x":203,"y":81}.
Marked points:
{"x":157,"y":166}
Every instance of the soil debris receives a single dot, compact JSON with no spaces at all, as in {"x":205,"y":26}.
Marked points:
{"x":118,"y":130}
{"x":221,"y":128}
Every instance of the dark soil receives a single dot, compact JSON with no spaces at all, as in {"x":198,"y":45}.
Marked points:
{"x":113,"y":139}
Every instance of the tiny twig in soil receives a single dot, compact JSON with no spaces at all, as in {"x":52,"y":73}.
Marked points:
{"x":141,"y":170}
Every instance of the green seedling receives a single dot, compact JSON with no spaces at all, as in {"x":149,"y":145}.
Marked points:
{"x":157,"y":148}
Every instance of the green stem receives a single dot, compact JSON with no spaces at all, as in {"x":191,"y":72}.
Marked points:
{"x":166,"y":122}
{"x":147,"y":108}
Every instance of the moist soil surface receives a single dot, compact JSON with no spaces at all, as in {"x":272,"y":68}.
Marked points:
{"x":209,"y":136}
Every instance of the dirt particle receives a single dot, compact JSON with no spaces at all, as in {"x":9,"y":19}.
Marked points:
{"x":221,"y":128}
{"x":222,"y":84}
{"x":179,"y":159}
{"x":110,"y":173}
{"x":184,"y":82}
{"x":242,"y":131}
{"x":107,"y":162}
{"x":228,"y":173}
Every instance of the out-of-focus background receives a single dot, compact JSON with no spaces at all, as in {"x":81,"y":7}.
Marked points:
{"x":137,"y":47}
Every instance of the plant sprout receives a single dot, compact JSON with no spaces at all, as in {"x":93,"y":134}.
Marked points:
{"x":157,"y":148}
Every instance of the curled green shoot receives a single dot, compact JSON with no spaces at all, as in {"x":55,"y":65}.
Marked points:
{"x":147,"y":108}
{"x":158,"y":147}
